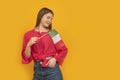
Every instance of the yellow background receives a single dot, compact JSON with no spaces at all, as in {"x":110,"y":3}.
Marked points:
{"x":90,"y":29}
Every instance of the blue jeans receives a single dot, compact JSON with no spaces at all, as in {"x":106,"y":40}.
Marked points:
{"x":47,"y":73}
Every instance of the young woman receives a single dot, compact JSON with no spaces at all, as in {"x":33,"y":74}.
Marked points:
{"x":45,"y":47}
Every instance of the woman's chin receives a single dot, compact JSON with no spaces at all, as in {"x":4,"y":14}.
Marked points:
{"x":46,"y":26}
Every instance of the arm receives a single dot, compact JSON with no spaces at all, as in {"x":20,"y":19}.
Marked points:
{"x":62,"y":52}
{"x":26,"y":49}
{"x":59,"y":45}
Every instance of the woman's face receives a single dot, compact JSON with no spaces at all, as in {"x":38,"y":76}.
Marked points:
{"x":46,"y":19}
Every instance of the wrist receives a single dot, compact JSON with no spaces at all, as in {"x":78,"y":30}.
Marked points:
{"x":28,"y":44}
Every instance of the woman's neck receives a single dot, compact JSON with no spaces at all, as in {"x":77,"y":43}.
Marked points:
{"x":40,"y":28}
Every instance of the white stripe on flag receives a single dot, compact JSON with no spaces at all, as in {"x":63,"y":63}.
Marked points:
{"x":56,"y":38}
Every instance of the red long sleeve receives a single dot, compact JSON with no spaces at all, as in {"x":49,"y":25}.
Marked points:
{"x":25,"y":60}
{"x":62,"y":52}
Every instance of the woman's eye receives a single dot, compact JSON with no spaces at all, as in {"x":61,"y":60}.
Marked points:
{"x":48,"y":17}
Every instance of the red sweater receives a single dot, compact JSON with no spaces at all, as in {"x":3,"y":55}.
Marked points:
{"x":43,"y":48}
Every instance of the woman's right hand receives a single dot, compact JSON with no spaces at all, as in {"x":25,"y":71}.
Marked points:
{"x":32,"y":41}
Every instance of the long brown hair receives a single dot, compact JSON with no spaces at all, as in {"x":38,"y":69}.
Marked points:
{"x":41,"y":13}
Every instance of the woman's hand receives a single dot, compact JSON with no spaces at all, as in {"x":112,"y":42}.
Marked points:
{"x":51,"y":62}
{"x":32,"y":41}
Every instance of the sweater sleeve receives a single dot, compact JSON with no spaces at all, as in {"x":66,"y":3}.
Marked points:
{"x":61,"y":52}
{"x":25,"y":60}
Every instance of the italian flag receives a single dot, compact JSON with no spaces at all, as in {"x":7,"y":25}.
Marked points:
{"x":56,"y":38}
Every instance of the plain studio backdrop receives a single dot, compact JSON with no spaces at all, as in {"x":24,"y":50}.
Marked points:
{"x":89,"y":28}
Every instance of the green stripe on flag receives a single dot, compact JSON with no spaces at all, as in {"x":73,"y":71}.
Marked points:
{"x":53,"y":33}
{"x":56,"y":38}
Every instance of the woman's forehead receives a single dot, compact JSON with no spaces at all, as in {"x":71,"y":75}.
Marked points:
{"x":49,"y":14}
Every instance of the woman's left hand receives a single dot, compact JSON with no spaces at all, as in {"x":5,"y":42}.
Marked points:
{"x":51,"y":62}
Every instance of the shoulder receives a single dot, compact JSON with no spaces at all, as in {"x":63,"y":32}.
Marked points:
{"x":29,"y":33}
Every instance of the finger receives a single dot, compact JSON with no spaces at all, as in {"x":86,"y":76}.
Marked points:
{"x":36,"y":39}
{"x":51,"y":65}
{"x":34,"y":42}
{"x":48,"y":63}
